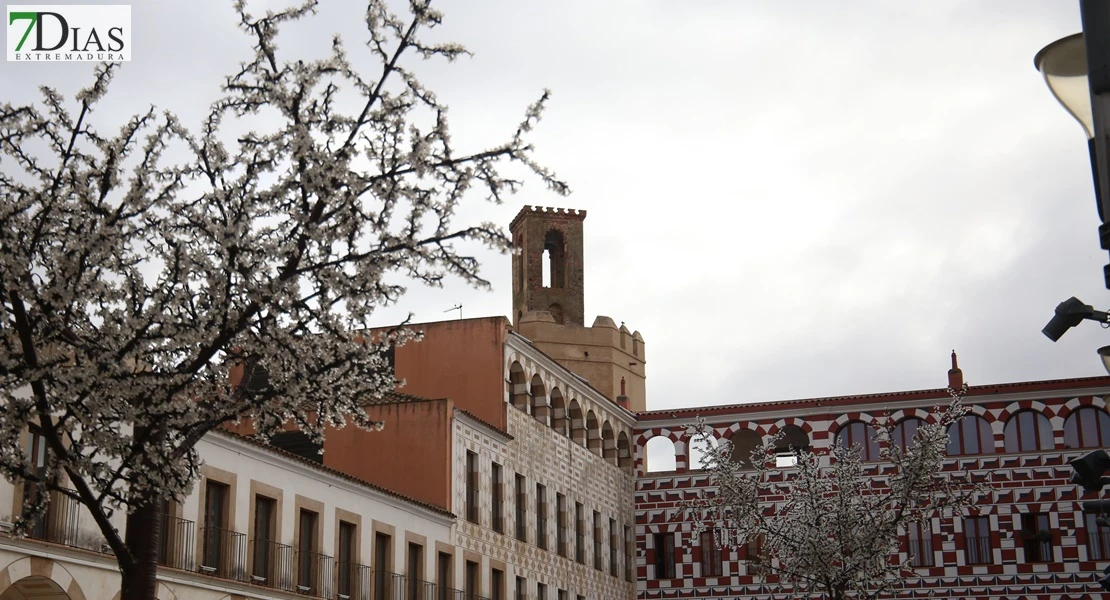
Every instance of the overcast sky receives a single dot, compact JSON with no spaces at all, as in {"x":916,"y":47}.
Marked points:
{"x":787,"y":199}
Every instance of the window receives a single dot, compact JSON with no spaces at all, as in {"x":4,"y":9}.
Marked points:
{"x":858,"y":433}
{"x":498,"y":502}
{"x":1087,"y":427}
{"x":579,"y":534}
{"x":497,"y":584}
{"x":614,"y":543}
{"x":629,"y":543}
{"x":216,"y":534}
{"x":561,"y":595}
{"x":905,"y":432}
{"x":471,"y":487}
{"x":752,"y":550}
{"x":307,"y":576}
{"x":561,"y":526}
{"x":743,"y":442}
{"x":444,"y":580}
{"x":348,"y":534}
{"x":521,"y":509}
{"x":710,"y":554}
{"x":470,"y":580}
{"x":1098,"y":538}
{"x":970,"y":435}
{"x":415,"y":570}
{"x":382,"y":564}
{"x":520,"y":593}
{"x":541,"y":591}
{"x":1036,"y":537}
{"x":977,"y":541}
{"x":919,"y":545}
{"x":265,"y":535}
{"x":541,"y":516}
{"x":664,"y":555}
{"x":1027,"y":431}
{"x":597,"y":540}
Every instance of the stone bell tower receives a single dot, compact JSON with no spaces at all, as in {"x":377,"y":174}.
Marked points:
{"x":548,"y":307}
{"x":554,"y":236}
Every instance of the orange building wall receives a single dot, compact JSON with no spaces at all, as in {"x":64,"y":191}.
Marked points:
{"x":411,"y":455}
{"x":460,"y":360}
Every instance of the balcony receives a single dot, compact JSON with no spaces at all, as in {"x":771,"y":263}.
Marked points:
{"x":272,"y":565}
{"x":446,"y":593}
{"x":314,"y":574}
{"x":58,"y":524}
{"x":177,"y":551}
{"x":223,"y":553}
{"x":419,"y":589}
{"x":353,"y":581}
{"x":389,"y":586}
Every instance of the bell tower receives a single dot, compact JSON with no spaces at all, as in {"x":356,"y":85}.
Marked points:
{"x":548,"y":265}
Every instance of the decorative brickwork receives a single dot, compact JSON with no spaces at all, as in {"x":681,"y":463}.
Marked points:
{"x":1023,"y":483}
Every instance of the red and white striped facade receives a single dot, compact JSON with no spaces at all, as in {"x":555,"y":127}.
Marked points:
{"x":1032,"y":482}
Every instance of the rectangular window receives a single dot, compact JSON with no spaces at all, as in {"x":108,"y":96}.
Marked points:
{"x":541,"y":516}
{"x":382,"y":549}
{"x":520,"y":593}
{"x":498,"y":522}
{"x":521,"y":509}
{"x":1036,"y":537}
{"x":264,"y":536}
{"x":597,"y":540}
{"x":348,"y":534}
{"x":216,"y":535}
{"x":561,"y":524}
{"x":710,"y":554}
{"x":561,"y":595}
{"x":1098,"y":539}
{"x":471,"y":487}
{"x":579,"y":534}
{"x":629,"y":544}
{"x":415,"y":570}
{"x":470,"y":581}
{"x":664,"y":555}
{"x":307,"y":554}
{"x":497,"y":585}
{"x":977,"y":541}
{"x":614,"y":544}
{"x":541,"y":591}
{"x":444,"y":583}
{"x":919,"y":545}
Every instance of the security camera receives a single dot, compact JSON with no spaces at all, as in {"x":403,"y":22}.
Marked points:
{"x":1070,"y":313}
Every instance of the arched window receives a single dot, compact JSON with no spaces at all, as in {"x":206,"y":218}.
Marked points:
{"x":793,"y":439}
{"x":660,"y":454}
{"x":905,"y":432}
{"x":1087,"y":427}
{"x":970,"y":435}
{"x":700,"y":447}
{"x":743,"y":442}
{"x":1027,"y":431}
{"x":858,"y":433}
{"x":555,"y":263}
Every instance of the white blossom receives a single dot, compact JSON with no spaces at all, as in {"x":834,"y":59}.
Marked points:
{"x":140,"y":268}
{"x":832,"y":524}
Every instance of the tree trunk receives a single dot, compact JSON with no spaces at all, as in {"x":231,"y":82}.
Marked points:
{"x":143,"y":538}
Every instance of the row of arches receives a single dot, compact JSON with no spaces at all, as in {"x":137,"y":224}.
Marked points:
{"x":1025,"y":430}
{"x":568,"y":417}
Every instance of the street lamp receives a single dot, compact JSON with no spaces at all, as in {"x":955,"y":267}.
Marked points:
{"x":1077,"y":71}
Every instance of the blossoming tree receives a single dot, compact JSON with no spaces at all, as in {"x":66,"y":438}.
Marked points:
{"x":139,"y":268}
{"x":831,"y":524}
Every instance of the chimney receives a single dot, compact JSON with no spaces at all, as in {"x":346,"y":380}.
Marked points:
{"x":955,"y":375}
